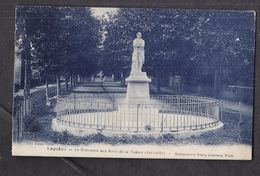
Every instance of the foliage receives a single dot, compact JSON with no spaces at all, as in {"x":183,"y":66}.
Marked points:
{"x":190,"y":43}
{"x":203,"y":47}
{"x":233,"y":133}
{"x":63,"y":41}
{"x":32,"y":125}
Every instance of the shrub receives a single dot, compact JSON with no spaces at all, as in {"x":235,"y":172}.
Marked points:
{"x":32,"y":125}
{"x":147,"y":128}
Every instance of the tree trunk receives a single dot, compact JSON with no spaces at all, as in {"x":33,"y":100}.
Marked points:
{"x":66,"y":83}
{"x":181,"y":87}
{"x":158,"y":81}
{"x":79,"y":79}
{"x":22,"y":73}
{"x":27,"y":78}
{"x":47,"y":91}
{"x":216,"y":83}
{"x":58,"y":85}
{"x":74,"y":80}
{"x":182,"y":78}
{"x":71,"y":84}
{"x":122,"y":79}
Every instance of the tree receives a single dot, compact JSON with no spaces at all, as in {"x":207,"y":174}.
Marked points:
{"x":24,"y":35}
{"x":81,"y":42}
{"x":204,"y":47}
{"x":226,"y":46}
{"x":166,"y":34}
{"x":63,"y":42}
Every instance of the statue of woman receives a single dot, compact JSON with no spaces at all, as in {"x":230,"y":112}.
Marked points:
{"x":138,"y":54}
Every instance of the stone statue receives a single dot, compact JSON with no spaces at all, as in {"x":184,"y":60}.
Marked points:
{"x":138,"y":82}
{"x":138,"y":54}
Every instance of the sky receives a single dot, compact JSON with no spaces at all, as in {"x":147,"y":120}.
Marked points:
{"x":99,"y":11}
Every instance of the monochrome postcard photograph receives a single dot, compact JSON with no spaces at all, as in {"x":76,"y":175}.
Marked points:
{"x":153,"y":83}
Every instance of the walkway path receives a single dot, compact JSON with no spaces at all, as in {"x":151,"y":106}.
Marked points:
{"x":35,"y":89}
{"x":97,"y":87}
{"x":228,"y":106}
{"x":115,"y":87}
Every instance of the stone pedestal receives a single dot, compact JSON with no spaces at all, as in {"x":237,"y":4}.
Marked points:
{"x":138,"y":88}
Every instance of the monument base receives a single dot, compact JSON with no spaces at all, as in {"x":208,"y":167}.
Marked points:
{"x":138,"y":88}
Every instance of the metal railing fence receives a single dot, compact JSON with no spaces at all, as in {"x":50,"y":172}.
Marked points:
{"x":164,"y":113}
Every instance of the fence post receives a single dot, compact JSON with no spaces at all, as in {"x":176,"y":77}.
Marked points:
{"x":137,"y":109}
{"x":162,"y":119}
{"x":20,"y":119}
{"x":74,"y":99}
{"x":113,"y":100}
{"x":221,"y":110}
{"x":98,"y":112}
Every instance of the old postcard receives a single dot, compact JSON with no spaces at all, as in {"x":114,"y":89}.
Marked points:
{"x":133,"y":83}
